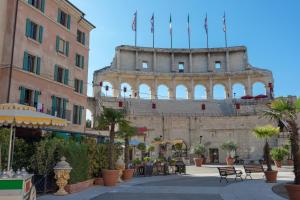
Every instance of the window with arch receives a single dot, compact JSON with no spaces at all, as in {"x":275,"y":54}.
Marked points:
{"x":219,"y":91}
{"x":144,"y":91}
{"x":107,"y":89}
{"x":258,"y":88}
{"x":163,"y":92}
{"x":238,"y":90}
{"x":181,"y":92}
{"x":126,"y":90}
{"x":200,"y":92}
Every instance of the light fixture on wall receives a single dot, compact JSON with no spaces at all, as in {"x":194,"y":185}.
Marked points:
{"x":201,"y":139}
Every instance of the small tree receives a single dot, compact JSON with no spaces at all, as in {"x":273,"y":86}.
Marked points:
{"x":199,"y":150}
{"x":266,"y":132}
{"x":279,"y":153}
{"x":229,"y":146}
{"x":126,"y":132}
{"x":151,"y":149}
{"x":110,"y":118}
{"x":142,"y":148}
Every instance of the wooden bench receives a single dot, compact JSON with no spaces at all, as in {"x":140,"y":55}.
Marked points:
{"x":249,"y":169}
{"x":229,"y":171}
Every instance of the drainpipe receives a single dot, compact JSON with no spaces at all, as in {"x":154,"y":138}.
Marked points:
{"x":12,"y":52}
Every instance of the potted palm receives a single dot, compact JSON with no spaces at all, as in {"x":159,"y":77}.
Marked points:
{"x":230,"y":147}
{"x":199,"y":150}
{"x":266,"y":132}
{"x":126,"y":132}
{"x":110,"y":118}
{"x":285,"y":110}
{"x":278,"y":155}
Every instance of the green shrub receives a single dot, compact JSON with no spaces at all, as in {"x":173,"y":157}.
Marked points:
{"x":279,"y":153}
{"x":137,"y":161}
{"x":229,"y":146}
{"x":147,"y":159}
{"x":199,"y":150}
{"x":4,"y":141}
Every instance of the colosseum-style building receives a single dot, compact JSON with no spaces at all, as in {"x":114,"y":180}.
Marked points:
{"x":194,"y":117}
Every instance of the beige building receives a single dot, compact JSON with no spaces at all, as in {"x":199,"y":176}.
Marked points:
{"x":192,"y":119}
{"x":44,"y":53}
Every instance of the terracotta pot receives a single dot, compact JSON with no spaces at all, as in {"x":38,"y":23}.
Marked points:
{"x":290,"y":162}
{"x":127,"y":174}
{"x":293,"y":191}
{"x":278,"y":163}
{"x":198,"y":162}
{"x":110,"y":177}
{"x":77,"y":187}
{"x":271,"y":176}
{"x":229,"y":160}
{"x":98,"y":181}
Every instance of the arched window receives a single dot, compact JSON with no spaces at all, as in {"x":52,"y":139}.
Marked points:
{"x":163,"y":92}
{"x":126,"y":90}
{"x":219,"y":91}
{"x":107,"y":89}
{"x":200,"y":92}
{"x":144,"y":91}
{"x":238,"y":90}
{"x":258,"y":88}
{"x":181,"y":92}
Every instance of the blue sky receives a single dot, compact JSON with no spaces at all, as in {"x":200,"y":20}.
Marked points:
{"x":269,"y":28}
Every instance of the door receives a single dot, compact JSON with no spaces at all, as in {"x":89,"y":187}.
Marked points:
{"x":214,"y":155}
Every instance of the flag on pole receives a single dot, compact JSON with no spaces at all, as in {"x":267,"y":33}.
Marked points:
{"x":224,"y":23}
{"x":206,"y":24}
{"x":152,"y":23}
{"x":133,"y":26}
{"x":171,"y":25}
{"x":188,"y":25}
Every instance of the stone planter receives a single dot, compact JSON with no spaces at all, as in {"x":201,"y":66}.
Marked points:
{"x":278,"y":163}
{"x":230,"y":160}
{"x":110,"y":177}
{"x":293,"y":191}
{"x":271,"y":176}
{"x":98,"y":181}
{"x":198,"y":162}
{"x":77,"y":187}
{"x":127,"y":174}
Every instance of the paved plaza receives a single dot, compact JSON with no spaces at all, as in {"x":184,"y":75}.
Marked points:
{"x":199,"y":183}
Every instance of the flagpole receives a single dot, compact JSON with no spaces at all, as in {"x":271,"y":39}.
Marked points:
{"x":225,"y":29}
{"x":135,"y":35}
{"x":226,"y":38}
{"x":189,"y":32}
{"x":206,"y":30}
{"x":171,"y":31}
{"x":153,"y":32}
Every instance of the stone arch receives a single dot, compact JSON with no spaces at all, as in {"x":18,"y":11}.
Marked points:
{"x":259,"y":88}
{"x":144,"y":91}
{"x":200,"y":92}
{"x":219,"y":91}
{"x":163,"y":92}
{"x":107,"y":85}
{"x":181,"y":92}
{"x":238,"y":90}
{"x":128,"y":92}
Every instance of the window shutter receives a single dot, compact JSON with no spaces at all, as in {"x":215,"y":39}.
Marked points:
{"x":28,"y":27}
{"x":67,"y":48}
{"x":64,"y":108}
{"x":22,"y":95}
{"x":69,"y":22}
{"x":58,"y":15}
{"x":83,"y":38}
{"x":36,"y":98}
{"x":82,"y":62}
{"x":80,"y":114}
{"x":25,"y":61}
{"x":81,"y":86}
{"x":41,"y":30}
{"x":57,"y":43}
{"x":55,"y":72}
{"x":66,"y":77}
{"x":38,"y":65}
{"x":53,"y":105}
{"x":43,"y":6}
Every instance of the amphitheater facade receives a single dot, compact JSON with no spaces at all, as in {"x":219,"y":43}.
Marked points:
{"x":193,"y":120}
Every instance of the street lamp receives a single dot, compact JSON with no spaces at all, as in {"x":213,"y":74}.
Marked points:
{"x":201,"y":139}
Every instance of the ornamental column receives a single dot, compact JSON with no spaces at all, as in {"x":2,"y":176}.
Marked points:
{"x":191,"y":90}
{"x":249,"y":86}
{"x":210,"y":89}
{"x":229,"y":89}
{"x":154,"y":89}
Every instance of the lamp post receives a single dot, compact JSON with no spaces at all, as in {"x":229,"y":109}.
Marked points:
{"x":201,"y":139}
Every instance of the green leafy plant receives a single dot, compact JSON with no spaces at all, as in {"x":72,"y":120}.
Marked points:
{"x":110,"y":118}
{"x":199,"y":150}
{"x":285,"y":110}
{"x":142,"y":148}
{"x":137,"y":161}
{"x":151,"y":149}
{"x":266,"y":132}
{"x":279,"y":153}
{"x":229,"y":146}
{"x":147,"y":159}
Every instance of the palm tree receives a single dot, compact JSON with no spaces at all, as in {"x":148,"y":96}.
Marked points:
{"x":109,"y":119}
{"x":126,"y":132}
{"x":285,"y":112}
{"x":266,"y":132}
